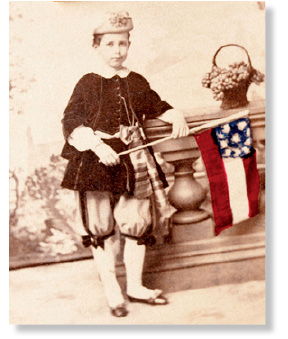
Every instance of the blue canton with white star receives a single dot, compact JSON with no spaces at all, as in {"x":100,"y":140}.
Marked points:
{"x":235,"y":138}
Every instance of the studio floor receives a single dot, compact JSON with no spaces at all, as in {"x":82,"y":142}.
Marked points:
{"x":71,"y":294}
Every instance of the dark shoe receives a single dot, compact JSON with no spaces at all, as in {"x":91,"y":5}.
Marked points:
{"x":154,"y":300}
{"x":119,"y":311}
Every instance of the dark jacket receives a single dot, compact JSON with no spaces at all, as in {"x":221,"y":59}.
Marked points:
{"x":98,"y":103}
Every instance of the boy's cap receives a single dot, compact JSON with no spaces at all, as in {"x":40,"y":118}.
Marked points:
{"x":119,"y":22}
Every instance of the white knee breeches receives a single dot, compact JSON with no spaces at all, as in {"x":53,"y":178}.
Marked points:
{"x":131,"y":215}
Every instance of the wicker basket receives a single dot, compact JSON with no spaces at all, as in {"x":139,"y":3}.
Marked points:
{"x":236,"y":97}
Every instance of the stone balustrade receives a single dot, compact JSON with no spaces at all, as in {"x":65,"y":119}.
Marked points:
{"x":187,"y":194}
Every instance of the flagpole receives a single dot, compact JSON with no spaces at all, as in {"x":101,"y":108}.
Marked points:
{"x":210,"y":124}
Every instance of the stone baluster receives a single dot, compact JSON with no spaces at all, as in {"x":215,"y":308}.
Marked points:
{"x":186,"y":194}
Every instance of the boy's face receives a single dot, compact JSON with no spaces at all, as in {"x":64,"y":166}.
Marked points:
{"x":114,"y":48}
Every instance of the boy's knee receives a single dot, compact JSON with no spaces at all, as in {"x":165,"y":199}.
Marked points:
{"x":103,"y":229}
{"x":133,"y":216}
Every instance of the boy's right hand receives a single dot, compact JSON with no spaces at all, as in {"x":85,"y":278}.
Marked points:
{"x":107,"y":155}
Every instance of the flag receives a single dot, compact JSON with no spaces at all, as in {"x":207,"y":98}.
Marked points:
{"x":230,"y":161}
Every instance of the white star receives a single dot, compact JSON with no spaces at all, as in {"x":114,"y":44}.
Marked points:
{"x":226,"y":128}
{"x":241,"y":125}
{"x":245,"y":150}
{"x":223,"y":143}
{"x":236,"y":138}
{"x":248,"y":142}
{"x":237,"y":151}
{"x":220,"y":135}
{"x":227,"y":152}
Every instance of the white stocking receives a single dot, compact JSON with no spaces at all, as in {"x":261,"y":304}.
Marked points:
{"x":106,"y":260}
{"x":134,"y":256}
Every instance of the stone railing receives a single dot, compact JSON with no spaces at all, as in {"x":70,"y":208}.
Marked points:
{"x":187,"y":194}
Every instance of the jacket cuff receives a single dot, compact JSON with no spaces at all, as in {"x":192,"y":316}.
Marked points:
{"x":171,"y":116}
{"x":83,"y":138}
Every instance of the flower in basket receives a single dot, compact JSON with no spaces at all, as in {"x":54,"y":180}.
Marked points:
{"x":230,"y":84}
{"x":236,"y":75}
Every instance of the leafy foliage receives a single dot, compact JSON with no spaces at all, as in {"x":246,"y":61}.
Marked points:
{"x":42,"y":217}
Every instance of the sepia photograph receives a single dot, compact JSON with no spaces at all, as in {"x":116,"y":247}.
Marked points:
{"x":137,"y":163}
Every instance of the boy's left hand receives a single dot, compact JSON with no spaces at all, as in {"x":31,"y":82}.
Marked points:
{"x":180,"y":129}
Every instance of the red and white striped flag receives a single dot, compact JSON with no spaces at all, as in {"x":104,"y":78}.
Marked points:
{"x":230,"y":162}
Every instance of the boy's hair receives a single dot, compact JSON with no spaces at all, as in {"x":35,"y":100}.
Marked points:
{"x":97,"y":39}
